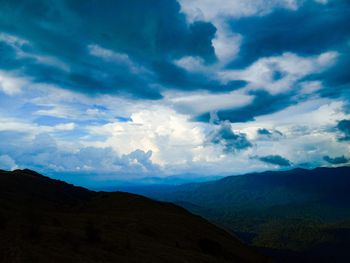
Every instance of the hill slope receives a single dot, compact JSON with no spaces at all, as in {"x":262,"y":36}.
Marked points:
{"x":303,"y":211}
{"x":44,"y":220}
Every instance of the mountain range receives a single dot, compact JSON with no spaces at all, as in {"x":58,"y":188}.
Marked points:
{"x":298,"y":215}
{"x":46,"y":220}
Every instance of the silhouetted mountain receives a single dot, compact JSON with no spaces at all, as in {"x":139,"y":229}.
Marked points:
{"x":301,"y":215}
{"x":45,"y":220}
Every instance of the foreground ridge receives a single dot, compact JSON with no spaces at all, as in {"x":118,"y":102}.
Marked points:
{"x":43,"y":219}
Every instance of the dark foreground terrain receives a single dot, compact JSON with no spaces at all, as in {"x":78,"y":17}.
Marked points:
{"x":294,"y":216}
{"x":45,"y":220}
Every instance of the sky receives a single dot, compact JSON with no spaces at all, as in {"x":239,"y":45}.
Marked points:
{"x":104,"y":90}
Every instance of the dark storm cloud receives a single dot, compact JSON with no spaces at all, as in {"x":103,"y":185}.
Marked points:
{"x":174,"y":76}
{"x":336,"y":160}
{"x":301,"y":31}
{"x":311,"y":30}
{"x":276,"y":160}
{"x":228,"y":139}
{"x":145,"y":37}
{"x":148,"y":32}
{"x":264,"y":103}
{"x":7,"y":54}
{"x":144,"y":29}
{"x":337,"y":78}
{"x":344,"y":127}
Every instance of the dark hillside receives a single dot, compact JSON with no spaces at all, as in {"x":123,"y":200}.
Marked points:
{"x":44,"y":220}
{"x":304,"y":214}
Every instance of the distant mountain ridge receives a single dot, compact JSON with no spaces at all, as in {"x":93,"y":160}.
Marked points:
{"x":293,"y":185}
{"x":306,"y":212}
{"x":45,"y":220}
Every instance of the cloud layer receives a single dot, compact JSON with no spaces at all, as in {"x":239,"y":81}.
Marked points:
{"x":173,"y":87}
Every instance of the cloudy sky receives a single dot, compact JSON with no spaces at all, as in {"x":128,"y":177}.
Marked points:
{"x":164,"y":87}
